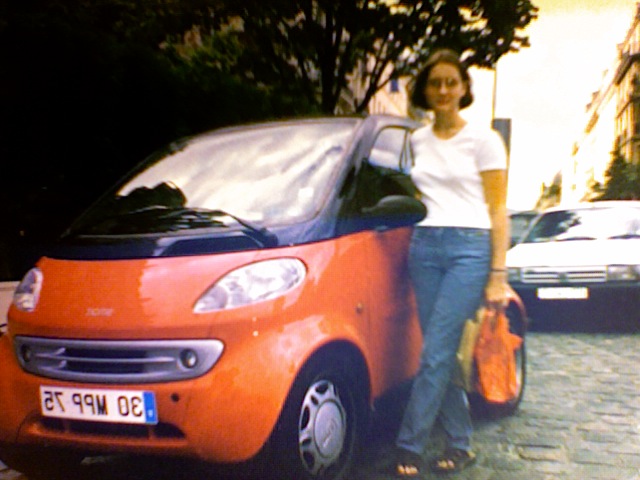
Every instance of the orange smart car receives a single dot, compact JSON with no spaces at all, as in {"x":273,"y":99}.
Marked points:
{"x":242,"y":292}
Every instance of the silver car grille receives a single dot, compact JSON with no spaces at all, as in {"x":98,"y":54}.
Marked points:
{"x":124,"y":361}
{"x":564,"y":275}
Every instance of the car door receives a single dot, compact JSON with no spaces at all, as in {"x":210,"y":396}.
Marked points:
{"x":394,"y":332}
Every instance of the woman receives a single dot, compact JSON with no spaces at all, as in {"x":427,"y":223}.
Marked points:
{"x":457,"y":256}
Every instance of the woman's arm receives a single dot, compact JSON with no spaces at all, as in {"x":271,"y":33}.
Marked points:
{"x":494,"y":183}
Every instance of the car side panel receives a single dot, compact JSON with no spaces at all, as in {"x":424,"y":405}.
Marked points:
{"x":227,"y":414}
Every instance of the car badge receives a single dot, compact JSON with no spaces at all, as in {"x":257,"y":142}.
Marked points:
{"x":99,"y":312}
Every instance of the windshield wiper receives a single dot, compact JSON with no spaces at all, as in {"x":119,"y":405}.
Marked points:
{"x":571,"y":239}
{"x":624,"y":236}
{"x":261,"y":234}
{"x":202,"y":217}
{"x":164,"y":219}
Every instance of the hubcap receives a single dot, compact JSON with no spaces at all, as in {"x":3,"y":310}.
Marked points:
{"x":322,"y":427}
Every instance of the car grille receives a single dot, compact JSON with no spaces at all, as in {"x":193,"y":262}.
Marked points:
{"x":560,"y":275}
{"x":101,"y":361}
{"x":104,"y":429}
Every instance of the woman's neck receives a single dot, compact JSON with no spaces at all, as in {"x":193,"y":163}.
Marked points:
{"x":446,"y":125}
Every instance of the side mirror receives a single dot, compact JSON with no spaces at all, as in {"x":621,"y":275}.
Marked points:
{"x":394,"y":211}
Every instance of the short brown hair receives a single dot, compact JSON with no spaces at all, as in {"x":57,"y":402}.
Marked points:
{"x":443,"y":55}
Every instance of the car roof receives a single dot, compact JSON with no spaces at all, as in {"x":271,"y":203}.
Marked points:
{"x":595,"y":205}
{"x":372,"y":119}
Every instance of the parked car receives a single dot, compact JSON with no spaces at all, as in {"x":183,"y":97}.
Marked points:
{"x":580,"y":266}
{"x":242,"y":294}
{"x":519,"y":222}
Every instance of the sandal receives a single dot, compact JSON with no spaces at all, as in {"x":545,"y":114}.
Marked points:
{"x":406,"y":464}
{"x":453,"y":460}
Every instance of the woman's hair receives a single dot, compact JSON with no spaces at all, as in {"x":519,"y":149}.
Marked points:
{"x":444,"y":55}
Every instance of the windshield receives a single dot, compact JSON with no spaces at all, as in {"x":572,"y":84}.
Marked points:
{"x":586,"y":224}
{"x":276,"y":174}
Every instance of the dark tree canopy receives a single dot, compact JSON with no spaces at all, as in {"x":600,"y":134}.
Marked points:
{"x":90,"y":87}
{"x":316,"y":45}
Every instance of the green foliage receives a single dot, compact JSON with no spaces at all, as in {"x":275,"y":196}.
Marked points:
{"x":86,"y":93}
{"x":622,"y":180}
{"x":90,"y":87}
{"x":315,"y":45}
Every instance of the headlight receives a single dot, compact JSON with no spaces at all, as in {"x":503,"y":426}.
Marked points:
{"x":27,"y":293}
{"x":514,"y":274}
{"x":621,"y":273}
{"x":251,"y":284}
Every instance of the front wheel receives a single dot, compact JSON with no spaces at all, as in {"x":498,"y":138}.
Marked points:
{"x":316,"y":436}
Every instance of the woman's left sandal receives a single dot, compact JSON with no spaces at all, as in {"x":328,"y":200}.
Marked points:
{"x":453,"y":460}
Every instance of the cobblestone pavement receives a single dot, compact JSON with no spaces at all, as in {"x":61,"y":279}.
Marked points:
{"x":579,"y":420}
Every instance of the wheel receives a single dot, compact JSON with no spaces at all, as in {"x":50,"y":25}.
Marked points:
{"x":41,"y":462}
{"x":316,"y":436}
{"x":480,"y":406}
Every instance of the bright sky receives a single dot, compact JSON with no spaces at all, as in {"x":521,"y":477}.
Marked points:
{"x":545,"y":88}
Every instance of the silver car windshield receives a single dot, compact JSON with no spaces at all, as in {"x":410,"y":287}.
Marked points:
{"x":271,"y":175}
{"x":586,"y":224}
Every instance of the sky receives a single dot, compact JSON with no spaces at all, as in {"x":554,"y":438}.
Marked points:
{"x":544,"y":89}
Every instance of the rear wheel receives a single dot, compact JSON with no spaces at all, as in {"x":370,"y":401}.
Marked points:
{"x":316,"y":437}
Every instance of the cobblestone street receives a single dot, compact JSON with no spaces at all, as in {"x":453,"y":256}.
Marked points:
{"x":580,"y":419}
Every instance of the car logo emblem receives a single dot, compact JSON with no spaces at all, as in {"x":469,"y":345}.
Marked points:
{"x":99,"y":312}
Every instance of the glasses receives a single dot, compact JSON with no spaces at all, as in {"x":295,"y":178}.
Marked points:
{"x":437,"y":83}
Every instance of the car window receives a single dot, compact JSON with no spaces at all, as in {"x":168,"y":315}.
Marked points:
{"x":586,"y":224}
{"x":390,"y":149}
{"x":519,"y":222}
{"x":275,"y":174}
{"x":380,"y":175}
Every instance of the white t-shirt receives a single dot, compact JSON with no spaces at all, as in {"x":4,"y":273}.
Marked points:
{"x":447,"y":172}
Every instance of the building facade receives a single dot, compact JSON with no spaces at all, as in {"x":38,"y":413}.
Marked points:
{"x":627,"y":81}
{"x":612,"y":122}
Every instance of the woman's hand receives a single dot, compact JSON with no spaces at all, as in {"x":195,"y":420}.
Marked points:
{"x":497,"y":292}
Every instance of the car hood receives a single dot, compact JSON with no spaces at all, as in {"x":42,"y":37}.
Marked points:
{"x":575,"y":253}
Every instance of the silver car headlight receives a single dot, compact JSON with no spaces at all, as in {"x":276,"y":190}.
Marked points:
{"x":622,"y":273}
{"x":27,"y":293}
{"x":252,"y":283}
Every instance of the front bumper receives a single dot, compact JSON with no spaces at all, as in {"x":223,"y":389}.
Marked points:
{"x":607,"y":305}
{"x":222,"y":416}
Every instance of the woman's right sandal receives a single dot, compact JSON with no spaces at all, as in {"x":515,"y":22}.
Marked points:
{"x":407,"y":465}
{"x":453,"y":460}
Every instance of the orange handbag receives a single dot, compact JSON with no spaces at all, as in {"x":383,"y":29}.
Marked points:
{"x":495,"y":360}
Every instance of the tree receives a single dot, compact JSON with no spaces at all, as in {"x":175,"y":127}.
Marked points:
{"x":87,"y":91}
{"x":622,"y":180}
{"x":315,"y":46}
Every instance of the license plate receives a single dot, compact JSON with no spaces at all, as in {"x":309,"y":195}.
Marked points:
{"x":118,"y":406}
{"x":563,"y":293}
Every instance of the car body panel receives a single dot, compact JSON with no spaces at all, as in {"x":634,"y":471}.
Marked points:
{"x":579,"y":253}
{"x":241,"y":402}
{"x":562,"y":268}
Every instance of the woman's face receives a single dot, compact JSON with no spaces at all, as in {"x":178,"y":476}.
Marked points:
{"x":445,"y":88}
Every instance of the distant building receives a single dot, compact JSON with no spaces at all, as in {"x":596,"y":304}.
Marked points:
{"x":627,"y":81}
{"x":612,"y":120}
{"x":391,"y":99}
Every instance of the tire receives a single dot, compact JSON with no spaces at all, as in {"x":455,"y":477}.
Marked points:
{"x":483,"y":408}
{"x":40,"y":462}
{"x":317,"y":434}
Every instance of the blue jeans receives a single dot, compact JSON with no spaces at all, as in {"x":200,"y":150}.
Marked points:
{"x":449,"y":268}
